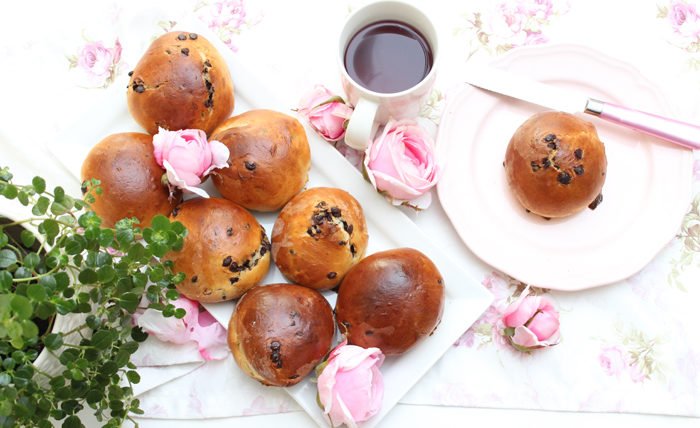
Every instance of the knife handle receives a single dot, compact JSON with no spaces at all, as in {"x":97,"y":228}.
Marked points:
{"x":674,"y":131}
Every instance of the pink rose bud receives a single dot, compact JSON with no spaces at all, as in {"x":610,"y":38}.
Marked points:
{"x":327,"y":113}
{"x":187,"y":157}
{"x":196,"y":326}
{"x":98,"y":62}
{"x":351,"y":387}
{"x":531,"y":322}
{"x":401,"y":161}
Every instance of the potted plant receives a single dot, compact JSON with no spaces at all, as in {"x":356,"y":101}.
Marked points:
{"x":68,"y":289}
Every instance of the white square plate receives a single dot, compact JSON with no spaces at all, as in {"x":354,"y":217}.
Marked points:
{"x":465,"y":297}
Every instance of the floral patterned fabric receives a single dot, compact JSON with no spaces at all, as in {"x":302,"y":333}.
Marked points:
{"x":626,"y":347}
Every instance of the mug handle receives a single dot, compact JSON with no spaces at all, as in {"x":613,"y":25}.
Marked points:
{"x":362,"y":126}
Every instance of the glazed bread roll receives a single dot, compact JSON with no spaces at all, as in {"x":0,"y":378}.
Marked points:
{"x":270,"y":159}
{"x":226,"y":251}
{"x":555,"y":164}
{"x":130,"y":179}
{"x":390,"y":300}
{"x":318,"y":236}
{"x":181,"y":82}
{"x":278,"y":333}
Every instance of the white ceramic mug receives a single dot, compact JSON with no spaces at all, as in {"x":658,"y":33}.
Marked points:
{"x":374,"y":108}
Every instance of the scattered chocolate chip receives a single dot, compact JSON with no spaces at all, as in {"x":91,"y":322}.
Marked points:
{"x":578,"y":153}
{"x":550,"y":138}
{"x":294,"y":376}
{"x":246,"y":264}
{"x":327,"y":215}
{"x":578,"y":169}
{"x":547,"y":218}
{"x":233,"y":279}
{"x":207,"y":63}
{"x":181,"y":37}
{"x":331,"y":275}
{"x":504,"y":164}
{"x":597,"y":201}
{"x":292,"y":252}
{"x":185,"y":51}
{"x":535,"y":166}
{"x":193,"y":36}
{"x":229,"y":231}
{"x":309,"y":232}
{"x":352,"y":249}
{"x":233,"y":267}
{"x":552,"y":145}
{"x":131,"y":73}
{"x":318,"y":218}
{"x":208,"y":103}
{"x":263,"y":250}
{"x":564,"y":177}
{"x":349,"y":229}
{"x":176,"y":210}
{"x":250,"y":166}
{"x":194,"y":279}
{"x":83,"y":188}
{"x":440,"y":281}
{"x":341,"y":243}
{"x":207,"y":291}
{"x":546,"y":163}
{"x":369,"y":333}
{"x":275,"y":357}
{"x":227,"y":261}
{"x":139,"y":88}
{"x":275,"y":345}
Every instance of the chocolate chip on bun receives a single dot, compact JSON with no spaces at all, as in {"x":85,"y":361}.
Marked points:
{"x":269,"y":161}
{"x":390,"y":300}
{"x":318,"y":236}
{"x":555,"y":164}
{"x":225,"y":253}
{"x":181,"y":82}
{"x":278,"y":333}
{"x":130,"y":179}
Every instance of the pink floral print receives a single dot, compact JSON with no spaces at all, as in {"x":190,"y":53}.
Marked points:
{"x":226,"y":18}
{"x":97,"y":63}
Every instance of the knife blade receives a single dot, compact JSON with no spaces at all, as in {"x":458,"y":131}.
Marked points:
{"x":555,"y":98}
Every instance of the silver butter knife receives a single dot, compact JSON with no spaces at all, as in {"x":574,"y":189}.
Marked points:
{"x":514,"y":86}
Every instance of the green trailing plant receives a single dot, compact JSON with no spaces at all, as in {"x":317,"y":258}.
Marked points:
{"x":59,"y":261}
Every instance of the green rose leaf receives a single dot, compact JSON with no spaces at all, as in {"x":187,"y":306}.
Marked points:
{"x":7,"y":258}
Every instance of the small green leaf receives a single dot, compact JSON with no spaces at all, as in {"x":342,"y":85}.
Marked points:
{"x":36,"y":292}
{"x":87,"y":276}
{"x":3,"y":239}
{"x":133,"y":376}
{"x":94,"y":396}
{"x":180,"y":313}
{"x":23,"y":197}
{"x":7,"y":258}
{"x":106,"y":274}
{"x":75,"y":245}
{"x":62,"y":280}
{"x":58,"y":193}
{"x":29,"y":329}
{"x":5,"y":280}
{"x":106,"y":237}
{"x":22,"y":306}
{"x":39,"y":184}
{"x":172,"y":294}
{"x":129,"y":301}
{"x":10,"y":191}
{"x":5,"y":379}
{"x":58,"y":208}
{"x":48,"y":282}
{"x":27,"y":238}
{"x":31,"y":261}
{"x":42,"y":204}
{"x":53,"y":341}
{"x":44,"y":310}
{"x":72,"y":422}
{"x":160,"y":222}
{"x":50,"y":228}
{"x":102,"y":339}
{"x":138,"y":334}
{"x":125,"y":237}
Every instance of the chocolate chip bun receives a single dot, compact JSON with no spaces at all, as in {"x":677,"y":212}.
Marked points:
{"x":390,"y":300}
{"x":279,"y":333}
{"x":130,"y":179}
{"x":270,"y":159}
{"x":318,"y":236}
{"x":181,"y":82}
{"x":555,"y":164}
{"x":226,"y":251}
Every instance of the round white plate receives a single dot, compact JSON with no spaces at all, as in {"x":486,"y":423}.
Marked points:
{"x":646,"y":193}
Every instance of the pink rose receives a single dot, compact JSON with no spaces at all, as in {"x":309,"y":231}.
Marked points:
{"x":613,"y":360}
{"x":401,"y":162}
{"x":684,"y":19}
{"x":351,"y":387}
{"x":327,"y":113}
{"x":531,"y":322}
{"x":196,"y":326}
{"x":98,"y":62}
{"x":187,"y":157}
{"x":226,"y":13}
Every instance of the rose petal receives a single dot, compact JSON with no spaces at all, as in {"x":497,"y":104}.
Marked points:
{"x":525,"y":338}
{"x":544,"y":325}
{"x":182,"y":184}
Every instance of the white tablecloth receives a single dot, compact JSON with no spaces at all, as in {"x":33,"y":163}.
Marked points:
{"x":628,"y":347}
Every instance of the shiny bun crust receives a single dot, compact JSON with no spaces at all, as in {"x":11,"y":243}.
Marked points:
{"x":226,"y":251}
{"x":279,"y":333}
{"x":181,"y":82}
{"x":319,"y":235}
{"x":270,"y":159}
{"x":390,"y":300}
{"x":555,"y":164}
{"x":130,"y":179}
